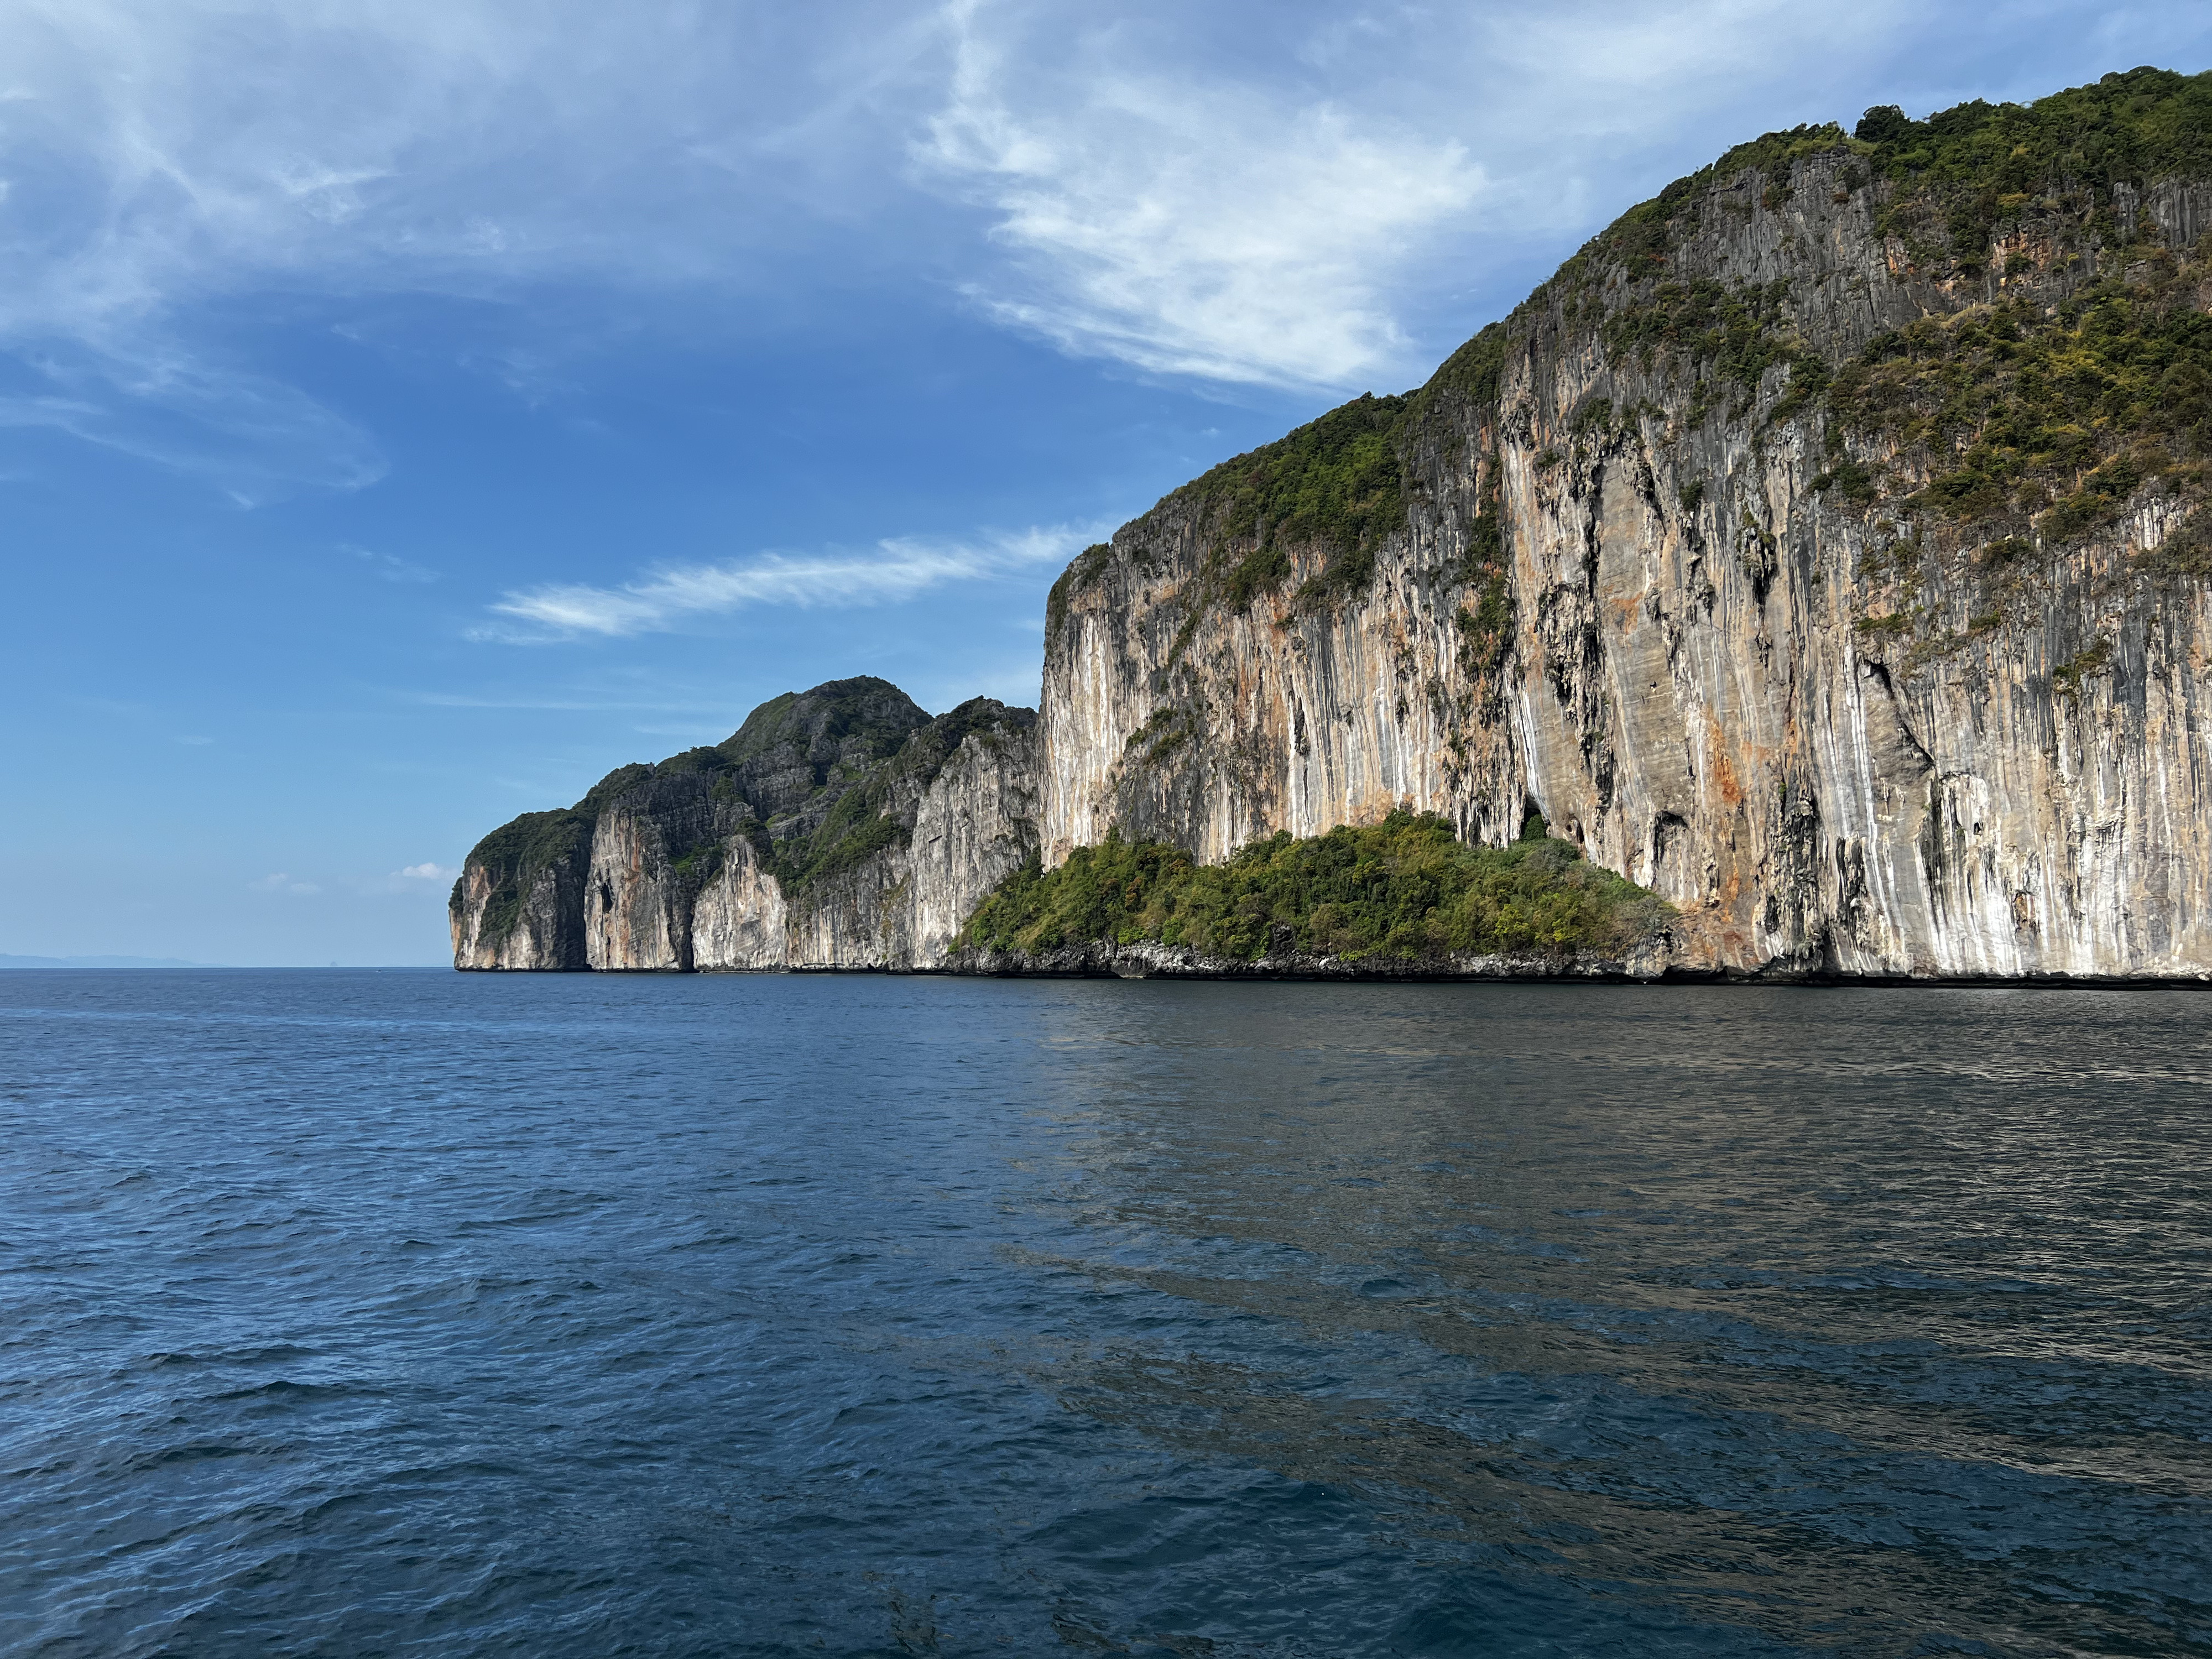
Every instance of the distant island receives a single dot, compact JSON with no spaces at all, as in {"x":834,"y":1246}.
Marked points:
{"x":1808,"y":581}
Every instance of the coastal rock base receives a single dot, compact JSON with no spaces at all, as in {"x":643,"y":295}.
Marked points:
{"x":1103,"y":959}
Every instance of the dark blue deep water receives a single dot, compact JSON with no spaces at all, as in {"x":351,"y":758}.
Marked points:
{"x":424,"y":1314}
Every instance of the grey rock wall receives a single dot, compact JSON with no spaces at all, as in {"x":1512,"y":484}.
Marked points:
{"x":839,"y":829}
{"x":520,"y":902}
{"x":1686,"y":685}
{"x":970,"y":827}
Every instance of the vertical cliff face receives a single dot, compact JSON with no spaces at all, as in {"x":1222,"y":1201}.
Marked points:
{"x":967,"y":806}
{"x":650,"y":848}
{"x":1826,"y":547}
{"x":740,"y":922}
{"x":520,"y":903}
{"x":1822,"y":549}
{"x":839,"y":827}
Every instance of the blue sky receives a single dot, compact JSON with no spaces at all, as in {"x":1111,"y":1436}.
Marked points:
{"x":409,"y":411}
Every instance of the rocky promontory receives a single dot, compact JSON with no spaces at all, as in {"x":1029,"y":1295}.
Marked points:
{"x":838,"y":827}
{"x":1825,"y":549}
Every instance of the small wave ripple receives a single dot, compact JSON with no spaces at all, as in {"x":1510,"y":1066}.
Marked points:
{"x":400,"y":1314}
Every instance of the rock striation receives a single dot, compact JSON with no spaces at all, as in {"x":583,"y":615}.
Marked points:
{"x":1827,"y":548}
{"x":1823,"y":549}
{"x":838,"y":827}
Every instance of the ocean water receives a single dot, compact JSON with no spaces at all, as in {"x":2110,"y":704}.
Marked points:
{"x":415,"y":1313}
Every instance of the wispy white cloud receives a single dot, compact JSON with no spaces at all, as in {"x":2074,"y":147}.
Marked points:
{"x":251,"y":436}
{"x":160,"y":157}
{"x":1189,"y":222}
{"x":425,"y":873}
{"x":900,"y":568}
{"x":692,"y":734}
{"x":1312,"y":194}
{"x":390,"y":567}
{"x":282,"y":883}
{"x":555,"y":705}
{"x":1271,"y":192}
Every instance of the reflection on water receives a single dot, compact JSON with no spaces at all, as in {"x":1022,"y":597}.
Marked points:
{"x":1824,"y":1316}
{"x":780,"y":1315}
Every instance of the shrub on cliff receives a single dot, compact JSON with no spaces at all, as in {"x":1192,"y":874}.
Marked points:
{"x":513,"y":856}
{"x":1403,"y":890}
{"x":2075,"y":372}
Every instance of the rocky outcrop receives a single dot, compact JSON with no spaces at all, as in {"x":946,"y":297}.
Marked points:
{"x":520,"y":900}
{"x":969,"y":824}
{"x":740,"y":920}
{"x":841,"y":827}
{"x":1657,"y":557}
{"x":1827,"y":547}
{"x":963,"y":794}
{"x":1104,"y":959}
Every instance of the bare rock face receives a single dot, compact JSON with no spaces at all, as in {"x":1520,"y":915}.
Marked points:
{"x":520,"y":903}
{"x":648,"y":848}
{"x":840,"y":828}
{"x":967,"y":801}
{"x":1828,"y":547}
{"x":1697,"y":554}
{"x":740,"y":922}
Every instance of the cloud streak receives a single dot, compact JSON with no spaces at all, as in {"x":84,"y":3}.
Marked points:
{"x":1187,"y":224}
{"x":1302,"y":194}
{"x":162,"y":160}
{"x":1286,"y":194}
{"x":900,"y":568}
{"x":390,"y":567}
{"x":251,"y":436}
{"x":282,"y":883}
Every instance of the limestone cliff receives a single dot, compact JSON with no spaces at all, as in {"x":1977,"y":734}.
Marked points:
{"x":962,"y":793}
{"x":520,"y":900}
{"x":1826,"y":547}
{"x":839,"y":827}
{"x":1822,"y":547}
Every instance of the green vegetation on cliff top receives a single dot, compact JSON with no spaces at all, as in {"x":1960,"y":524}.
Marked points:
{"x":860,"y":738}
{"x":2022,"y":399}
{"x":2126,"y":128}
{"x":861,"y":822}
{"x":804,"y":728}
{"x":1402,"y":891}
{"x":2043,"y":410}
{"x":513,"y":855}
{"x":2059,"y":415}
{"x":1334,"y":481}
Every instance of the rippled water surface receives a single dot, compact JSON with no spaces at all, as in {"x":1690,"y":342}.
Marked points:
{"x":419,"y":1313}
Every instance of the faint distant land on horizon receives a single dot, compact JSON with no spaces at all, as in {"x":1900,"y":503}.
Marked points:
{"x":99,"y":961}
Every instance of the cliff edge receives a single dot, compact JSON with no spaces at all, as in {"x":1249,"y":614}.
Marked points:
{"x":837,"y":828}
{"x":1825,"y":547}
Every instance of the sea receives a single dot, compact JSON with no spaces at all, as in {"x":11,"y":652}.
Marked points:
{"x":412,"y":1313}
